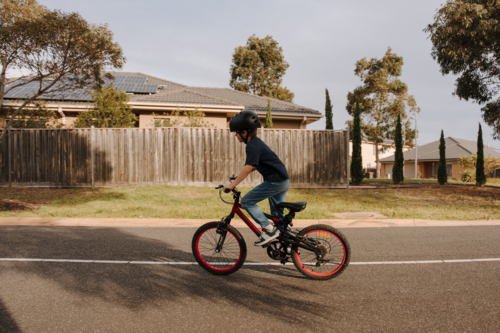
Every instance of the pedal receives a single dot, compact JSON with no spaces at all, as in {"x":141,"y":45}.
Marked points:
{"x":284,"y":261}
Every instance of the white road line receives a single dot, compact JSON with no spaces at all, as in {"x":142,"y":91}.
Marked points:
{"x":445,"y":261}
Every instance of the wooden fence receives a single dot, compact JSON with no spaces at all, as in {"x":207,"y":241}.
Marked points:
{"x":175,"y":156}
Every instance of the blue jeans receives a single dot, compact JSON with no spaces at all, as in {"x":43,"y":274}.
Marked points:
{"x":274,"y":191}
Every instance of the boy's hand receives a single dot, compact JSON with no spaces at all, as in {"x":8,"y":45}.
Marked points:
{"x":228,"y":188}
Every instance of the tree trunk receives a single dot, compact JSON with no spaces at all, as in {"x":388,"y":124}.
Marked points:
{"x":377,"y":161}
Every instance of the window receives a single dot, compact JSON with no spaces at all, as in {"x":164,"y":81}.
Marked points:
{"x":448,"y":170}
{"x":162,"y":122}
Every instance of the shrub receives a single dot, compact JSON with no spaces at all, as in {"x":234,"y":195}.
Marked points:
{"x":468,"y":176}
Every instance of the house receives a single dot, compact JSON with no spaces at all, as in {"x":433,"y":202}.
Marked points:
{"x":428,"y":158}
{"x":153,"y":99}
{"x":368,"y":152}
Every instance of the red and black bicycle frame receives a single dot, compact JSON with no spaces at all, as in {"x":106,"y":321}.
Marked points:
{"x":286,"y":237}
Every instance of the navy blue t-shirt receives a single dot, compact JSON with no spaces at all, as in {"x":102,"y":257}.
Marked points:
{"x":265,"y":161}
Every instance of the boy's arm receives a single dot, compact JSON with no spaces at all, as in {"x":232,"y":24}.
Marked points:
{"x":241,"y":177}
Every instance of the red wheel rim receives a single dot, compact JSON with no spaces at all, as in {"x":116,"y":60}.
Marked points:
{"x":211,"y":266}
{"x":323,"y":274}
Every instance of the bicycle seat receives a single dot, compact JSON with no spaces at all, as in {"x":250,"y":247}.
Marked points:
{"x":293,"y":206}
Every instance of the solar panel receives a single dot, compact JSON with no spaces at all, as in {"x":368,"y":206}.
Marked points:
{"x":135,"y":79}
{"x":79,"y":95}
{"x":127,"y":87}
{"x":24,"y":92}
{"x":130,"y":84}
{"x":119,"y":78}
{"x":146,"y":88}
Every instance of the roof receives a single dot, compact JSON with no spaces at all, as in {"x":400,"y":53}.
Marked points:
{"x":171,"y":92}
{"x":455,"y":148}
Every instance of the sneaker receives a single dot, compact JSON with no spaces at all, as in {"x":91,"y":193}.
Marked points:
{"x":267,"y":235}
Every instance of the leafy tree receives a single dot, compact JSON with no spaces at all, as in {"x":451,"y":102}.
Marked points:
{"x":357,"y":159}
{"x":258,"y":68}
{"x":397,"y":170}
{"x":442,"y":172}
{"x":110,"y":110}
{"x":408,"y":134}
{"x":480,"y":175}
{"x":62,"y":49}
{"x":328,"y":111}
{"x":381,"y":98}
{"x":269,"y":116}
{"x":465,"y":37}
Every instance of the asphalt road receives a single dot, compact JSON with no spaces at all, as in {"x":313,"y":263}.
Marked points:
{"x":114,"y":297}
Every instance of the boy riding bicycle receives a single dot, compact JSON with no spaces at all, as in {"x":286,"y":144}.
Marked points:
{"x":261,"y":158}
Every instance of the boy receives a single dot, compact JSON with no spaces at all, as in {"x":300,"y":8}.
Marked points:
{"x":260,"y":157}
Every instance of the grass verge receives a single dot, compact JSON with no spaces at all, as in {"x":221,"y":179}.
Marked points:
{"x":429,"y":201}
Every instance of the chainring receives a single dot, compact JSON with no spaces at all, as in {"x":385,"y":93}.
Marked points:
{"x":276,"y":250}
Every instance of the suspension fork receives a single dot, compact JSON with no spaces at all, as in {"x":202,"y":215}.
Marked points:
{"x":222,"y":231}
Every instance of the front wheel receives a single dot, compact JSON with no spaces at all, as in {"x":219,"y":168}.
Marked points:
{"x":218,"y":249}
{"x":334,"y":248}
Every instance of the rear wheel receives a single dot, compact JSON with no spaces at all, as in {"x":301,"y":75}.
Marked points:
{"x":335,"y":251}
{"x":220,"y":251}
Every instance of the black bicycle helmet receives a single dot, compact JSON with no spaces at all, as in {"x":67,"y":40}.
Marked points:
{"x":245,"y":120}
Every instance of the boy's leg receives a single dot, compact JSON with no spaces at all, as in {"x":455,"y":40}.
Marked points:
{"x":282,"y":187}
{"x":256,"y":195}
{"x":249,"y":203}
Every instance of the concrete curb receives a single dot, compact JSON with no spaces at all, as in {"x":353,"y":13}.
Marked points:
{"x":338,"y":223}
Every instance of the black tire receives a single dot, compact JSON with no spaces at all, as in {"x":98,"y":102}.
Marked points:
{"x":336,"y":248}
{"x":229,"y":260}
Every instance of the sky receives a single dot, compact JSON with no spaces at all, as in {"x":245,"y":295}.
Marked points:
{"x":191,"y":42}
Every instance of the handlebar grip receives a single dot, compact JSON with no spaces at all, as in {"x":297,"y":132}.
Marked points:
{"x":218,"y":187}
{"x":227,"y":190}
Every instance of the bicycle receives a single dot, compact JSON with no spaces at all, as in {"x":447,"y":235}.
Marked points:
{"x":320,"y":252}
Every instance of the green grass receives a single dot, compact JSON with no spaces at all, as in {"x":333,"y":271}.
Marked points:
{"x":422,"y":202}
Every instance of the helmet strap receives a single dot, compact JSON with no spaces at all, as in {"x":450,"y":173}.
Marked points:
{"x":245,"y":139}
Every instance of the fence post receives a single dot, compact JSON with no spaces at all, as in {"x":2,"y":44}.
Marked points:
{"x":9,"y":143}
{"x":348,"y":158}
{"x":179,"y":155}
{"x":92,"y":138}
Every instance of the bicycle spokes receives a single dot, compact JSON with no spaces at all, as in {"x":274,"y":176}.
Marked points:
{"x":328,"y":257}
{"x":220,"y":251}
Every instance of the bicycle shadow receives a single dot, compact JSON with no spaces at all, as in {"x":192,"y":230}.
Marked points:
{"x":137,"y":287}
{"x":7,"y":323}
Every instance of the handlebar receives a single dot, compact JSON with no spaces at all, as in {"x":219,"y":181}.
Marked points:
{"x":222,"y":186}
{"x":234,"y":190}
{"x":232,"y":178}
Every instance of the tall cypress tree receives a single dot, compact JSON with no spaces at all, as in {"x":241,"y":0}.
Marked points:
{"x":269,"y":116}
{"x":442,"y":172}
{"x":357,"y":161}
{"x":397,"y":170}
{"x":328,"y":111}
{"x":480,"y":175}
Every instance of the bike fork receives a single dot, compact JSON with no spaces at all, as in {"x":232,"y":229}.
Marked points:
{"x":222,"y":231}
